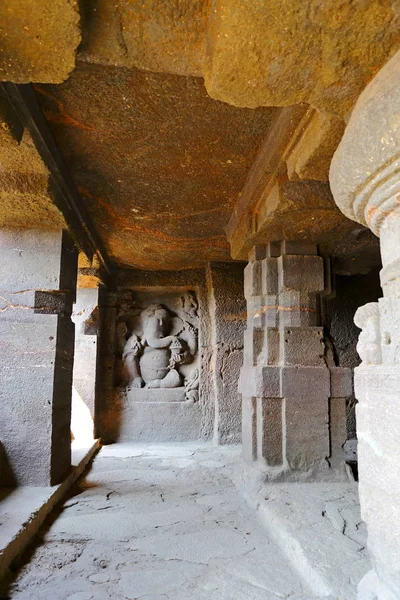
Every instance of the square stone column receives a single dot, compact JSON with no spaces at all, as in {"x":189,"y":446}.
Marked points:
{"x":38,"y":282}
{"x":228,"y":318}
{"x":290,"y":397}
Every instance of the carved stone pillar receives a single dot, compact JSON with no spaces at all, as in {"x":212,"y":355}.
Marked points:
{"x":38,"y":282}
{"x":365,"y":180}
{"x":288,"y":389}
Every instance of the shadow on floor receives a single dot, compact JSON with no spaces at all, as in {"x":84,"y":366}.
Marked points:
{"x":7,"y":583}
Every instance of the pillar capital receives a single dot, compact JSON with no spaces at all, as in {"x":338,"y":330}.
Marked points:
{"x":365,"y":170}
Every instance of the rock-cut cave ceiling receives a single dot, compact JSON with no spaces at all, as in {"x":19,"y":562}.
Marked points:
{"x":158,"y":163}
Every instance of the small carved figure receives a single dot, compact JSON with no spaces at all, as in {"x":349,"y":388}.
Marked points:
{"x":369,"y":348}
{"x":122,"y":331}
{"x":191,"y":388}
{"x":190,"y":305}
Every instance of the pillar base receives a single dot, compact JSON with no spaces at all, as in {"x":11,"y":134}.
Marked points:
{"x":378,"y":425}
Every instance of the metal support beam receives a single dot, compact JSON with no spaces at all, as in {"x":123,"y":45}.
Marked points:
{"x":65,"y":194}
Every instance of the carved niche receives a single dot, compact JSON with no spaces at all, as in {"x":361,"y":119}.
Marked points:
{"x":159,"y":343}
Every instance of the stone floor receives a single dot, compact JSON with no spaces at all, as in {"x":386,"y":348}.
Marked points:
{"x":157,"y":522}
{"x":169,"y":522}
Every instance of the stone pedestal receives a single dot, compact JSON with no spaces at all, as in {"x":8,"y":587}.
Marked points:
{"x":158,"y":416}
{"x":365,"y":181}
{"x":38,"y":281}
{"x":293,"y":403}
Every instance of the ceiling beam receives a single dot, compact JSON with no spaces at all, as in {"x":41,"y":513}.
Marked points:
{"x":65,"y":194}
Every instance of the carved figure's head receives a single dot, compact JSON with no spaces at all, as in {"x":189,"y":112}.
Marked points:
{"x":155,"y":316}
{"x":190,"y":304}
{"x":367,"y":319}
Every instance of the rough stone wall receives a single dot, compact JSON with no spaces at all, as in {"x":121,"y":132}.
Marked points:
{"x":38,"y":282}
{"x":228,"y":317}
{"x":350,"y":293}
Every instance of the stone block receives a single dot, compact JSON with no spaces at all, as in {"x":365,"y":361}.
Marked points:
{"x":159,"y":422}
{"x":273,"y":249}
{"x":338,"y":430}
{"x":249,"y":428}
{"x":306,"y":431}
{"x":260,"y":381}
{"x":229,"y":315}
{"x":305,"y":382}
{"x":258,"y":252}
{"x":149,"y":395}
{"x":253,"y":279}
{"x":270,"y":430}
{"x":301,"y":273}
{"x":270,"y":382}
{"x":302,"y":346}
{"x":261,"y":347}
{"x":298,"y":309}
{"x":301,"y":247}
{"x":341,"y":382}
{"x":255,"y":312}
{"x":228,"y":413}
{"x":270,"y":353}
{"x":253,"y":346}
{"x":270,"y":277}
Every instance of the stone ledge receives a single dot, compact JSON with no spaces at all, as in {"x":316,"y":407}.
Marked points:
{"x":149,"y":395}
{"x":23,"y":510}
{"x":317,"y":526}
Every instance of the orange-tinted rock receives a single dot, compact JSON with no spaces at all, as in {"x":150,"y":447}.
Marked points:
{"x":154,"y":35}
{"x":38,"y":40}
{"x":281,"y":52}
{"x":158,"y":163}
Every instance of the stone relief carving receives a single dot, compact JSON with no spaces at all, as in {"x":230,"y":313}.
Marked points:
{"x":190,"y":305}
{"x":367,"y":318}
{"x":389,"y":309}
{"x":192,"y":387}
{"x":160,"y":344}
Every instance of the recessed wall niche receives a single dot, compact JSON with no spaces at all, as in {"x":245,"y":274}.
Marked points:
{"x":158,"y":338}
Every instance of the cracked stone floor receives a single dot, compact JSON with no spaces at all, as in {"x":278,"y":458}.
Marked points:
{"x":157,"y":523}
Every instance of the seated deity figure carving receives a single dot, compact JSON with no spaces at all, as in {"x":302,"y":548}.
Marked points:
{"x":153,"y":359}
{"x":369,"y":348}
